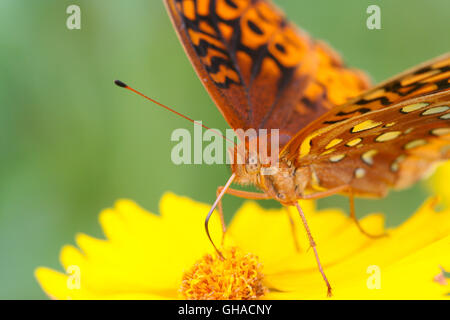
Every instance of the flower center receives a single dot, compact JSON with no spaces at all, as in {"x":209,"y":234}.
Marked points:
{"x":238,"y":277}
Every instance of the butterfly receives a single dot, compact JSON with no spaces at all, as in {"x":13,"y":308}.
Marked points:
{"x":337,"y":135}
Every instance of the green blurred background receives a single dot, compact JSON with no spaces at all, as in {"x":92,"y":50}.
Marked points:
{"x":72,"y":143}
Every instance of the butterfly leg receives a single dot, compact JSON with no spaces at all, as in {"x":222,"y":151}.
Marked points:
{"x":220,"y":209}
{"x":252,"y":196}
{"x":347,"y":189}
{"x":326,"y":193}
{"x":239,"y":194}
{"x":313,"y":246}
{"x":223,"y":190}
{"x":247,"y":194}
{"x":319,"y":195}
{"x":353,"y":216}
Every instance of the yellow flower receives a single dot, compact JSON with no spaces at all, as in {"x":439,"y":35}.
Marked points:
{"x":147,"y":256}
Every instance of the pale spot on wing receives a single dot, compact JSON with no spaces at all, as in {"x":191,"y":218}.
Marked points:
{"x":415,"y":144}
{"x":327,"y":152}
{"x":337,"y":158}
{"x":360,"y":173}
{"x":305,"y":147}
{"x":333,"y":143}
{"x":435,"y":110}
{"x":394,"y":166}
{"x":440,"y":131}
{"x":387,"y":136}
{"x":367,"y":156}
{"x":353,"y":142}
{"x":414,"y":107}
{"x":409,"y":130}
{"x":445,"y":116}
{"x":315,"y":182}
{"x":366,"y":125}
{"x":389,"y":124}
{"x":396,"y":163}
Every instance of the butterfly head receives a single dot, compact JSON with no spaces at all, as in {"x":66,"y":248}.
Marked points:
{"x":278,"y":178}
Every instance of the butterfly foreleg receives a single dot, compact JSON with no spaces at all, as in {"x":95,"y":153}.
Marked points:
{"x":239,"y":194}
{"x":245,"y":194}
{"x":221,"y":191}
{"x":354,"y":218}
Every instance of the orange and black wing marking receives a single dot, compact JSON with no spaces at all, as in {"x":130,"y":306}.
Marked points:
{"x":387,"y":137}
{"x":261,"y":71}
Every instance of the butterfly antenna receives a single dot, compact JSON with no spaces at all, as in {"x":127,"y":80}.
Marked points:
{"x":125,"y":86}
{"x":219,"y":198}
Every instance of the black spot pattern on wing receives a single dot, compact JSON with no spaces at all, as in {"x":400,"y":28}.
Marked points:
{"x":234,"y":45}
{"x":395,"y":91}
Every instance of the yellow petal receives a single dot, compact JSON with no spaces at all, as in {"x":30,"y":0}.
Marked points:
{"x":57,"y":286}
{"x":410,"y":249}
{"x":266,"y":233}
{"x":438,"y":182}
{"x":145,"y":255}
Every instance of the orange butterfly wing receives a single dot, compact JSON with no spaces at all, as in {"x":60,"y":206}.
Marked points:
{"x":261,"y":71}
{"x":388,"y":137}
